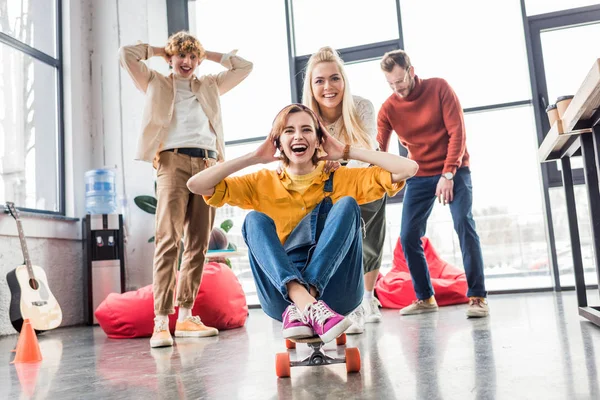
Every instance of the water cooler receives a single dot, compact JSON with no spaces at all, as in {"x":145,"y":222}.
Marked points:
{"x":104,"y":272}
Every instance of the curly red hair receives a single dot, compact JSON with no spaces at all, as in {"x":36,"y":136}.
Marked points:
{"x":184,"y":42}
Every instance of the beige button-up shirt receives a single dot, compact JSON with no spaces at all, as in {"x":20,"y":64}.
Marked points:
{"x":160,"y":97}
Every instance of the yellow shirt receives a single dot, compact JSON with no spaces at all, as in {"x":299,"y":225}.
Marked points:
{"x":270,"y":193}
{"x":300,"y":183}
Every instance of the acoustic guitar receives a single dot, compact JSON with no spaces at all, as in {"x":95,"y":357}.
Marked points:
{"x":30,"y":295}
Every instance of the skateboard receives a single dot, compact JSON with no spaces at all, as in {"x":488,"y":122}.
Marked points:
{"x":318,"y":357}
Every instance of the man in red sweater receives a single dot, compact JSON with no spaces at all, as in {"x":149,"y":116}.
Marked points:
{"x":428,"y":119}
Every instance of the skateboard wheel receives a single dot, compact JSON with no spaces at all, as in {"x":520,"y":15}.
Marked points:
{"x":289,"y":344}
{"x":283,"y":366}
{"x":341,"y":340}
{"x":352,"y":359}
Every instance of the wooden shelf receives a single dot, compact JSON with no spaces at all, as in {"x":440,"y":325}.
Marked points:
{"x":560,"y":140}
{"x":586,"y":101}
{"x":557,"y":141}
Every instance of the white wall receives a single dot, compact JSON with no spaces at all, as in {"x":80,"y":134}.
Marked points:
{"x":116,"y":114}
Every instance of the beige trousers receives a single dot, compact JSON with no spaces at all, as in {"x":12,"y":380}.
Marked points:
{"x":179,"y":213}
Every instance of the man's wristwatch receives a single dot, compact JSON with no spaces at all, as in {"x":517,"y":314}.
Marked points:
{"x":448,"y":175}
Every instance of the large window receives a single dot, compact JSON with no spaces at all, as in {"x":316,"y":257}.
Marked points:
{"x":507,"y":197}
{"x":506,"y":204}
{"x":32,"y":22}
{"x":489,"y":72}
{"x":30,"y":105}
{"x":484,"y":61}
{"x":367,"y":80}
{"x":249,"y":108}
{"x":342,"y":24}
{"x":556,"y":48}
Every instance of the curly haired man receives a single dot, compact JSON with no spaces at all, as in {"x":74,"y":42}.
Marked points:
{"x":182,"y":134}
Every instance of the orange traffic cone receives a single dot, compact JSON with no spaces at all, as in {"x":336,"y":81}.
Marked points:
{"x":28,"y":348}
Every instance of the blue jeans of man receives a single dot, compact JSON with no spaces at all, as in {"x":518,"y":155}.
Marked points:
{"x":419,"y":199}
{"x":333,"y":265}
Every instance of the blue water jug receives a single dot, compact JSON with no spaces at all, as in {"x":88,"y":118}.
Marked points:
{"x":100,"y":192}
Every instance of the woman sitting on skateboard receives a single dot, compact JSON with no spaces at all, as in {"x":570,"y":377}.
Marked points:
{"x":304,"y":237}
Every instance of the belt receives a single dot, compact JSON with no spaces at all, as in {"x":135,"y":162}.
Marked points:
{"x":195,"y":152}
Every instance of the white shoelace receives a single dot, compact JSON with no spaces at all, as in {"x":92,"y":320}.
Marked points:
{"x":195,"y":319}
{"x":358,"y":316}
{"x":319,"y":313}
{"x":160,"y":325}
{"x":294,"y":314}
{"x":359,"y":312}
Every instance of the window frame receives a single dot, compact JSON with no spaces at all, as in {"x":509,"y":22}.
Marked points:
{"x":550,"y":175}
{"x":538,"y":24}
{"x":57,"y":64}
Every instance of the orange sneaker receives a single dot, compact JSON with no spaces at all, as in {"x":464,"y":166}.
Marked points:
{"x":161,"y":336}
{"x":193,"y":327}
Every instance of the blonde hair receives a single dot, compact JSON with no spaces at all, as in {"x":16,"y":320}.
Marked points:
{"x":184,"y":42}
{"x":353,"y":130}
{"x":279,"y":125}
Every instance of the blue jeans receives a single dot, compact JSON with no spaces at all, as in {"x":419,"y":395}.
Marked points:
{"x":333,"y":265}
{"x":418,"y":203}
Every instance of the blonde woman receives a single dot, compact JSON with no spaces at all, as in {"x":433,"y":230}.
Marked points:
{"x":351,"y":120}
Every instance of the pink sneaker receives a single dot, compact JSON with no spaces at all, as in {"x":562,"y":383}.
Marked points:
{"x":294,"y":326}
{"x":325,"y":322}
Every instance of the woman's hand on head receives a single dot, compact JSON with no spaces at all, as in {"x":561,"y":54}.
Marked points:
{"x":333,"y":147}
{"x":265,"y":153}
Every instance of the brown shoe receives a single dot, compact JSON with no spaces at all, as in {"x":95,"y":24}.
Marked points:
{"x":161,"y":336}
{"x":420,"y":307}
{"x":478,"y":307}
{"x":193,"y":327}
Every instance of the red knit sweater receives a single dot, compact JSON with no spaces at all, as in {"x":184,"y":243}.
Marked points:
{"x":429,"y":123}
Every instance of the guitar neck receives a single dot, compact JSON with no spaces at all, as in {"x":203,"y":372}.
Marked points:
{"x":24,"y":248}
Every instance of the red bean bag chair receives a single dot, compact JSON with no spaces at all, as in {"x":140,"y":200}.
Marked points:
{"x":220,"y":303}
{"x":395,"y":289}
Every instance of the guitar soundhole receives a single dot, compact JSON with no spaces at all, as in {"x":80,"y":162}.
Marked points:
{"x":34,"y":284}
